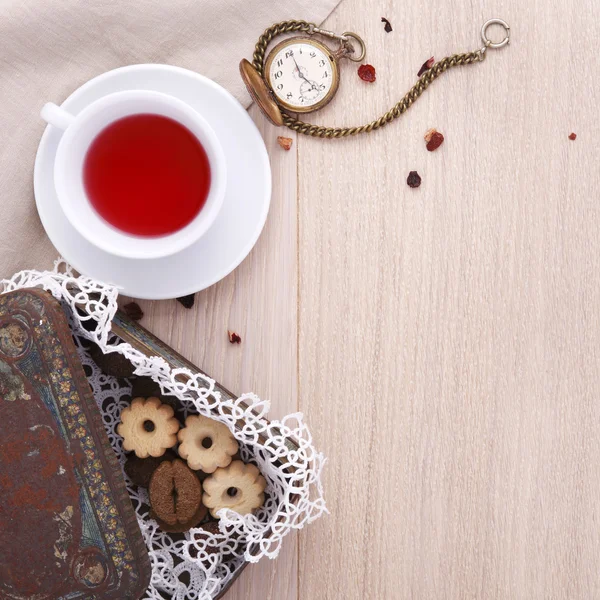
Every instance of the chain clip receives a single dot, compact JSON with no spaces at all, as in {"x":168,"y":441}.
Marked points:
{"x":489,"y":43}
{"x":346,"y":49}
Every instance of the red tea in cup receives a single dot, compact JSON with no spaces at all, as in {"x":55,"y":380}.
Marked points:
{"x":147,"y":175}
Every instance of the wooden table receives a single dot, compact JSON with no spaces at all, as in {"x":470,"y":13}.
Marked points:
{"x":444,"y":342}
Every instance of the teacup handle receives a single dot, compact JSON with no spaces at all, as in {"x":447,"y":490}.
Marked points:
{"x":55,"y":115}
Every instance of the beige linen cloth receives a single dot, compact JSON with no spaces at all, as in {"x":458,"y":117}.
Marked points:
{"x":48,"y":48}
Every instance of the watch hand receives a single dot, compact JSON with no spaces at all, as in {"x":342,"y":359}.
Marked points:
{"x":299,"y":71}
{"x":297,"y":66}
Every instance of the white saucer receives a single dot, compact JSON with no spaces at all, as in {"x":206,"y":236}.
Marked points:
{"x":236,"y":229}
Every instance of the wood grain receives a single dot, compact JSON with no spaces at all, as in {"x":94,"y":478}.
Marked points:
{"x":449,"y":340}
{"x":444,"y":342}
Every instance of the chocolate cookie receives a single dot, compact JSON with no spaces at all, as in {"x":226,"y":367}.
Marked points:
{"x":176,"y":497}
{"x":212,"y":527}
{"x":183,"y":527}
{"x":140,"y":470}
{"x":114,"y":364}
{"x":146,"y":387}
{"x":232,"y":543}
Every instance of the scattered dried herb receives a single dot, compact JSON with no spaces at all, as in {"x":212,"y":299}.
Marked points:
{"x":426,"y":66}
{"x":234,"y":338}
{"x":367,"y":73}
{"x":284,"y":142}
{"x":414,"y":179}
{"x":434,"y":139}
{"x":573,"y":137}
{"x":387,"y":26}
{"x":187,"y":301}
{"x":133,"y":311}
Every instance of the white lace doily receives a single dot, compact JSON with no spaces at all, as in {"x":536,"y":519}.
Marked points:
{"x":196,"y":565}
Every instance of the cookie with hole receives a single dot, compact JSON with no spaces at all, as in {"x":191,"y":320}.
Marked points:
{"x":206,"y":444}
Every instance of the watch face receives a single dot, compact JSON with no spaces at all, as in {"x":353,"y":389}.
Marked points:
{"x":302,"y":74}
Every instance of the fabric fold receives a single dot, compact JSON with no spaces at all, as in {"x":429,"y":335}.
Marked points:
{"x":48,"y":48}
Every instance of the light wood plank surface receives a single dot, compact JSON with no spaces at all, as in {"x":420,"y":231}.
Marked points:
{"x":443,"y":342}
{"x":449,"y":340}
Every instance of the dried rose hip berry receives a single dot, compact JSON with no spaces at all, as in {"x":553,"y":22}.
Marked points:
{"x":367,"y":73}
{"x":434,"y":139}
{"x":573,"y":137}
{"x":414,"y":179}
{"x":284,"y":142}
{"x":234,"y":338}
{"x":426,"y":66}
{"x":388,"y":25}
{"x":187,"y":301}
{"x":133,"y":311}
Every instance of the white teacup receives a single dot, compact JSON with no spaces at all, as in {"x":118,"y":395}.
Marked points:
{"x":80,"y":131}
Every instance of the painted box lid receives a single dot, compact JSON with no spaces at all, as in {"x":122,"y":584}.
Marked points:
{"x":67,"y":527}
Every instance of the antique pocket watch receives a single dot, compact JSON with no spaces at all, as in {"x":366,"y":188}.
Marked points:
{"x":302,"y":74}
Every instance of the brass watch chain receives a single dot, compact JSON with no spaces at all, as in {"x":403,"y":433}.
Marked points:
{"x":467,"y":58}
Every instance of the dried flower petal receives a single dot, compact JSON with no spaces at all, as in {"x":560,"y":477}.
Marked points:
{"x":414,"y":179}
{"x":426,"y":66}
{"x":284,"y":142}
{"x":187,"y":301}
{"x":133,"y":311}
{"x":388,"y":25}
{"x":367,"y":73}
{"x":434,"y":139}
{"x":234,"y":338}
{"x":573,"y":137}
